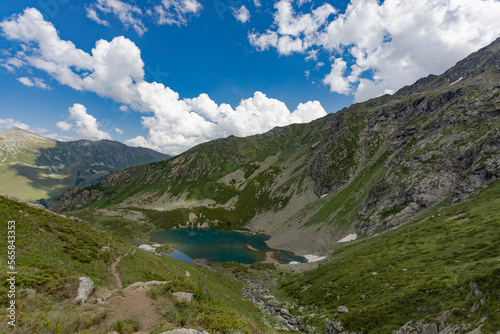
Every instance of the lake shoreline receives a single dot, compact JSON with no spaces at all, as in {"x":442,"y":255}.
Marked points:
{"x":221,"y":246}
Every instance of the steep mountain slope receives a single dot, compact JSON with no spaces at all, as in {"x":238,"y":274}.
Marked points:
{"x":33,"y":167}
{"x":372,"y":166}
{"x":440,"y":271}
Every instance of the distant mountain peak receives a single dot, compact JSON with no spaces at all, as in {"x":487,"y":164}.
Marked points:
{"x":476,"y":63}
{"x":17,"y":139}
{"x":16,"y":129}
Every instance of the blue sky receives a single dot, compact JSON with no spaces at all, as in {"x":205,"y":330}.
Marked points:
{"x":170,"y":74}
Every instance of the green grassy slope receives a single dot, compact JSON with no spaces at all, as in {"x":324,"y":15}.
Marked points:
{"x":196,"y":174}
{"x":422,"y":270}
{"x":52,"y":252}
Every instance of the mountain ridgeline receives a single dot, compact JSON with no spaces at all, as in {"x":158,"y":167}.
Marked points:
{"x":369,"y":167}
{"x":33,"y":167}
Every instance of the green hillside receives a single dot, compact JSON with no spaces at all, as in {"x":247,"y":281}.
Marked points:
{"x":52,"y":252}
{"x":366,"y":168}
{"x":416,"y":272}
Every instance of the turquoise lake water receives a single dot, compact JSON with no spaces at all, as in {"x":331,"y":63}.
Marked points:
{"x":220,"y":246}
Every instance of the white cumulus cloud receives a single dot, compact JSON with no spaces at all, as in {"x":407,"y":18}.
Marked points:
{"x":294,"y":32}
{"x":65,"y":126}
{"x":242,"y":14}
{"x":129,"y":15}
{"x":337,"y":80}
{"x":30,"y":82}
{"x":92,"y":14}
{"x":176,"y":11}
{"x":12,"y":63}
{"x":397,"y":41}
{"x":7,"y":123}
{"x":263,"y":41}
{"x":84,"y":124}
{"x":179,"y":124}
{"x":115,"y":70}
{"x":254,"y":115}
{"x":111,"y":70}
{"x":171,"y":12}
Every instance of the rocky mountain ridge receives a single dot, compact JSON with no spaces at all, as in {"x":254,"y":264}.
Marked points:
{"x":369,"y":167}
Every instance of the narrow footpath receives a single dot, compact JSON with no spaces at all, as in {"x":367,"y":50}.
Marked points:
{"x":114,"y":273}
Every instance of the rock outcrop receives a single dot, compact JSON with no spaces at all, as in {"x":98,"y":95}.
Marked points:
{"x":333,"y":327}
{"x":183,"y":296}
{"x":84,"y":290}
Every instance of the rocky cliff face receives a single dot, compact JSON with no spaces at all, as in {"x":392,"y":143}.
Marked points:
{"x":371,"y":166}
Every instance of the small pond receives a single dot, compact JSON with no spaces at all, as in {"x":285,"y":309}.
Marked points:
{"x":221,"y":246}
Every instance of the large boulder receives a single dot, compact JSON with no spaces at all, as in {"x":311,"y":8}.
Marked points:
{"x":419,"y":328}
{"x":431,"y":328}
{"x":184,"y":296}
{"x":342,"y":309}
{"x":84,"y":290}
{"x":333,"y":327}
{"x":474,"y":290}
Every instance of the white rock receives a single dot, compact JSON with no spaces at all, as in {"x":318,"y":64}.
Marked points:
{"x":342,"y":309}
{"x":183,"y":296}
{"x":314,"y":258}
{"x":459,"y":79}
{"x":85,"y":289}
{"x":138,"y":284}
{"x":147,"y":248}
{"x":350,"y":237}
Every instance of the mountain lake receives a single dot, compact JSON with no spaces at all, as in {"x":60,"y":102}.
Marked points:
{"x":221,"y":246}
